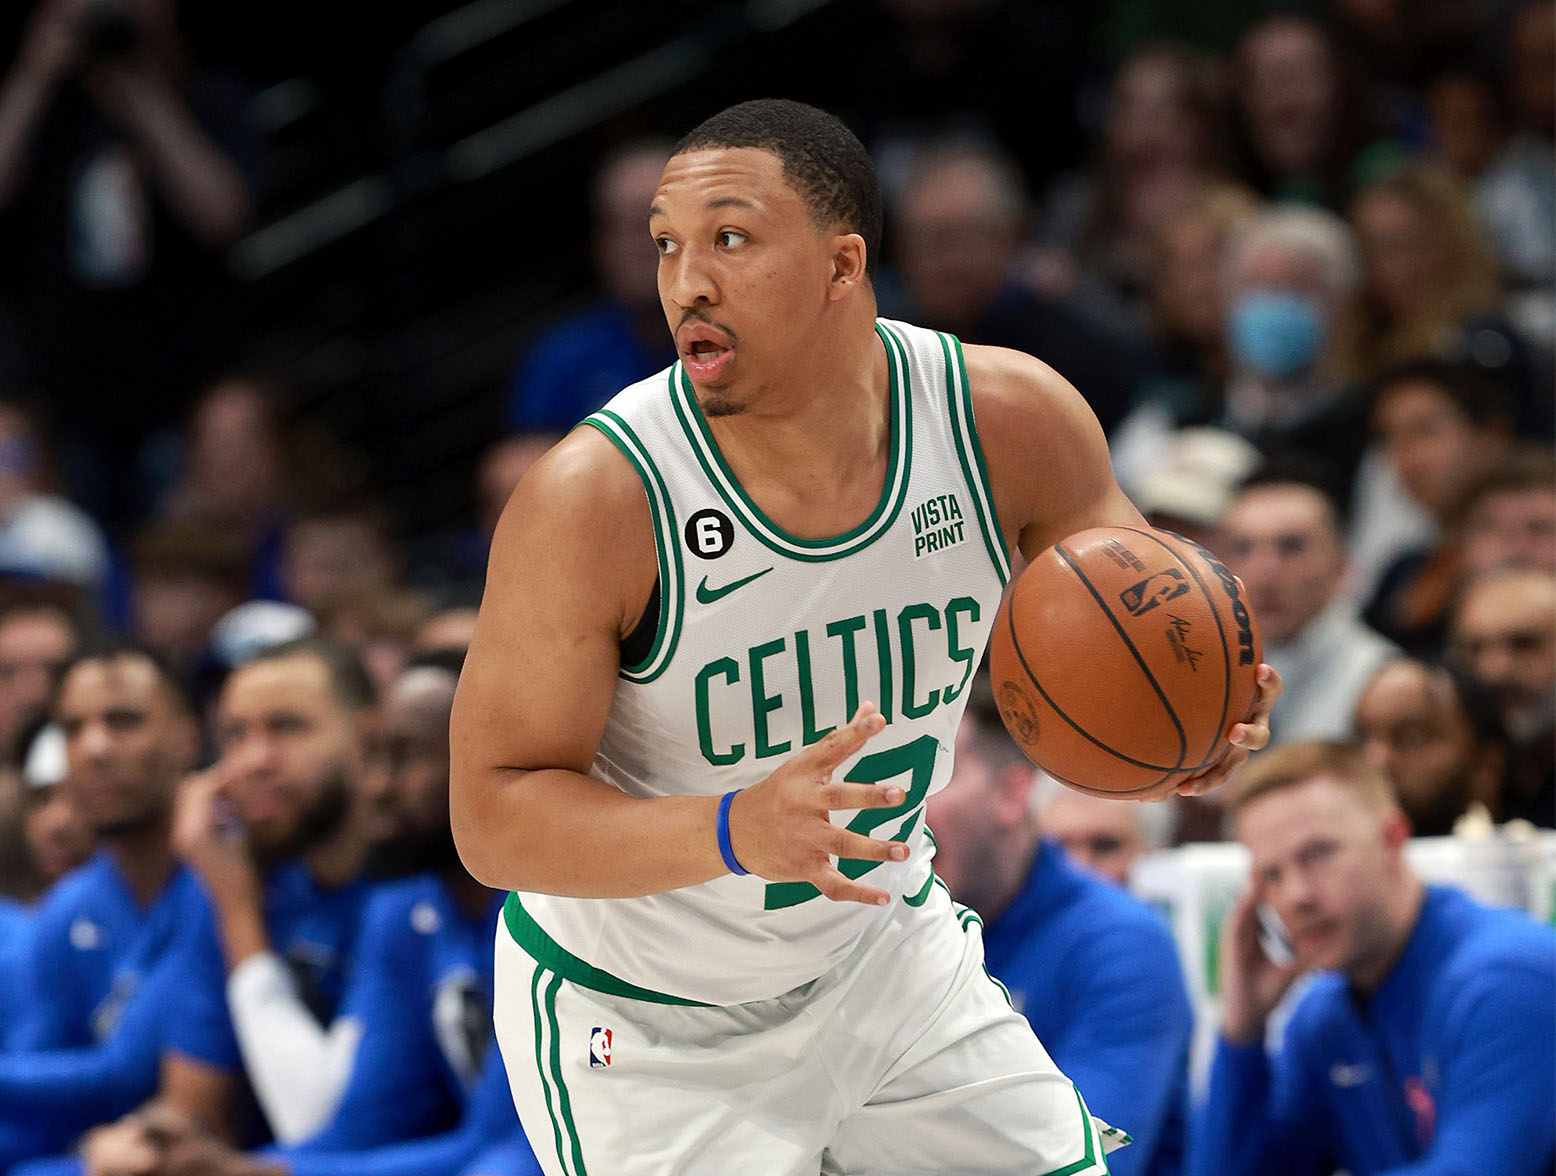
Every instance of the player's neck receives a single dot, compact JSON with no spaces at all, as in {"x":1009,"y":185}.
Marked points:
{"x":816,"y":426}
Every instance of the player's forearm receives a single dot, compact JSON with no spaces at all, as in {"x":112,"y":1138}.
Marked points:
{"x":561,"y":832}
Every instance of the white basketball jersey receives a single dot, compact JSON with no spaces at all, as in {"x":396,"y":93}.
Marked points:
{"x":766,"y":642}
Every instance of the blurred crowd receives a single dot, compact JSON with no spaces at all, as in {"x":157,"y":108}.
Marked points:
{"x":1302,"y":265}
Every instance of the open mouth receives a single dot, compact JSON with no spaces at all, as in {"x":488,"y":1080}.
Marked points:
{"x":705,"y":357}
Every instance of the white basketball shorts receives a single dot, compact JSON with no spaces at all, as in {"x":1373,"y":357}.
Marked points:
{"x":904,"y":1059}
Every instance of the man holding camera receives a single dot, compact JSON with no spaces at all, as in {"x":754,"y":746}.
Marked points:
{"x":124,"y":175}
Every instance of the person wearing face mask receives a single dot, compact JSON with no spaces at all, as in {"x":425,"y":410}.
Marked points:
{"x":1289,"y":277}
{"x":1287,"y":283}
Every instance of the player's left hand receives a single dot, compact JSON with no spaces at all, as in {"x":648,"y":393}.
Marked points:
{"x":1247,"y":736}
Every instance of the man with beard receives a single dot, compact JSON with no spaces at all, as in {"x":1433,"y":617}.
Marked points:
{"x":278,"y":831}
{"x":86,"y":1045}
{"x":426,"y":1090}
{"x":1503,"y":634}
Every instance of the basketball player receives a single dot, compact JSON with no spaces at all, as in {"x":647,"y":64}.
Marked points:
{"x":748,"y":597}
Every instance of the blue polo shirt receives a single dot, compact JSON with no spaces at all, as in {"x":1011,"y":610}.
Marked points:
{"x":1449,"y":1067}
{"x":313,"y":930}
{"x":1096,"y":972}
{"x":85,"y":1046}
{"x":15,"y":936}
{"x":427,"y":1090}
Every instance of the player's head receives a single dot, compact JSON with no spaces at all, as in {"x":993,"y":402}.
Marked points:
{"x":1436,"y":736}
{"x":130,"y":736}
{"x":982,"y":819}
{"x":768,"y":221}
{"x":412,"y":758}
{"x":292,"y":724}
{"x":1327,"y":841}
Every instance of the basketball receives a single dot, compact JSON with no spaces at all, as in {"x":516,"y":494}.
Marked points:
{"x":1121,"y":658}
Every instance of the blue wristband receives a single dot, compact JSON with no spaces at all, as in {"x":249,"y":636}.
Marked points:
{"x":726,"y":850}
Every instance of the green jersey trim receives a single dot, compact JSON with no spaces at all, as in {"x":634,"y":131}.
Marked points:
{"x":970,"y":453}
{"x":893,"y":492}
{"x":667,"y":546}
{"x":551,"y":1077}
{"x":529,"y":935}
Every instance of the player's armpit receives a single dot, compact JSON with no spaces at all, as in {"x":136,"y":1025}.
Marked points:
{"x":1046,"y":454}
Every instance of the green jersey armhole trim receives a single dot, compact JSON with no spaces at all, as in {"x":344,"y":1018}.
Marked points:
{"x":969,"y":452}
{"x":544,"y":950}
{"x":667,"y":547}
{"x":893,"y":493}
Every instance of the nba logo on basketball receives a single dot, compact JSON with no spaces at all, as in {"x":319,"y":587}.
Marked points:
{"x":1153,"y":590}
{"x":599,"y":1047}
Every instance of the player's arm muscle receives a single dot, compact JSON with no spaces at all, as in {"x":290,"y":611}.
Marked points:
{"x":1046,"y":453}
{"x":571,"y":568}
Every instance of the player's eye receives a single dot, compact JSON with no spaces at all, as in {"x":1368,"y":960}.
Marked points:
{"x":729,"y":238}
{"x":665,"y":246}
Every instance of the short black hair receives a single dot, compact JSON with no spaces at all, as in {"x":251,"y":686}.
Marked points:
{"x":1482,"y":399}
{"x":350,"y":682}
{"x":823,"y":160}
{"x":112,"y":649}
{"x":1299,"y":468}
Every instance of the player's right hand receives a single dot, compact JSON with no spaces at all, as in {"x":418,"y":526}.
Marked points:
{"x":782,"y":830}
{"x":1251,"y":983}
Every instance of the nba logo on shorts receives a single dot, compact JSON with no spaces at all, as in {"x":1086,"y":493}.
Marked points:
{"x":599,"y":1047}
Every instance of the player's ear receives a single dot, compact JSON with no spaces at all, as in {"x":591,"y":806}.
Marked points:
{"x":848,"y":265}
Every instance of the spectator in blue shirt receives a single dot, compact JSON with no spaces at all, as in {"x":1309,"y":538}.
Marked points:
{"x":278,"y":832}
{"x":15,"y":938}
{"x":422,"y":1098}
{"x":581,"y":362}
{"x":1427,"y":1042}
{"x":1093,"y":969}
{"x":78,"y":1051}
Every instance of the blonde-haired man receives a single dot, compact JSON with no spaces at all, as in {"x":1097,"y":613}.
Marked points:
{"x":1428,"y":1045}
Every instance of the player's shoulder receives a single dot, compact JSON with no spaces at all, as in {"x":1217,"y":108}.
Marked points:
{"x":1013,"y":390}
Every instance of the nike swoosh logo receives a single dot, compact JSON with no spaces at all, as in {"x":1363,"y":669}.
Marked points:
{"x":706,"y":595}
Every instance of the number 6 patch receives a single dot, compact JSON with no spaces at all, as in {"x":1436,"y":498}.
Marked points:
{"x":709,"y":533}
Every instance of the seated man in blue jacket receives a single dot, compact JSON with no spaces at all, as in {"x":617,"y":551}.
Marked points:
{"x":1427,"y":1044}
{"x":1092,"y":968}
{"x":423,"y":1097}
{"x":84,"y":1043}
